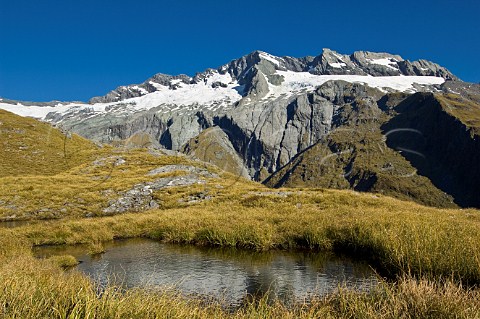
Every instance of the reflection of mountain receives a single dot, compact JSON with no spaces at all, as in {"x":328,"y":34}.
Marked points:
{"x":223,"y":273}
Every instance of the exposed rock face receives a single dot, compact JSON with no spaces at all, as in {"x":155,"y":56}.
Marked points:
{"x":261,"y":111}
{"x":270,"y":134}
{"x":199,"y":172}
{"x":166,"y":130}
{"x":180,"y":130}
{"x":442,"y":142}
{"x":213,"y":146}
{"x":329,"y":62}
{"x":421,"y":147}
{"x":140,"y":197}
{"x":115,"y":127}
{"x":353,"y":155}
{"x":151,"y":85}
{"x":257,"y":87}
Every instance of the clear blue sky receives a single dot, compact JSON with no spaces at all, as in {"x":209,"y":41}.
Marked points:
{"x":74,"y":50}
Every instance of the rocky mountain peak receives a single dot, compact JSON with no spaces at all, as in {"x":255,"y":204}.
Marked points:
{"x":330,"y":62}
{"x":246,"y":69}
{"x":151,"y":85}
{"x":261,"y":111}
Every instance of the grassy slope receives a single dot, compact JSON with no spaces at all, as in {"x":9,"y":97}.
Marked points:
{"x":212,"y":146}
{"x":467,"y":110}
{"x":30,"y":147}
{"x":46,"y":174}
{"x":445,"y":145}
{"x":399,"y":238}
{"x":358,"y":158}
{"x":85,"y":189}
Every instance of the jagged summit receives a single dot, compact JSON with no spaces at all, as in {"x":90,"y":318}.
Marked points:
{"x":173,"y":109}
{"x":257,"y":112}
{"x":330,"y":62}
{"x":244,"y":69}
{"x":255,"y":76}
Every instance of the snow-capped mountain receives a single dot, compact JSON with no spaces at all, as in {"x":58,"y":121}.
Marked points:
{"x":220,"y":89}
{"x":173,"y":109}
{"x":260,"y":112}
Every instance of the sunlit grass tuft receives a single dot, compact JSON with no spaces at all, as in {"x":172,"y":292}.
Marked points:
{"x":64,"y":261}
{"x":32,"y":288}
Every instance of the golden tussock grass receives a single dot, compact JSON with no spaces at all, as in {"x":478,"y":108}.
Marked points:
{"x":34,"y":288}
{"x":397,"y":237}
{"x":433,"y":251}
{"x":433,"y":254}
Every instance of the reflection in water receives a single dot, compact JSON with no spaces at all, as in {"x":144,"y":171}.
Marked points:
{"x":227,"y":274}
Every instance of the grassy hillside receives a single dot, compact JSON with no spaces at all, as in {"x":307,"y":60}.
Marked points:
{"x":430,"y":256}
{"x":433,"y":252}
{"x":465,"y":109}
{"x":46,"y":174}
{"x":442,"y":131}
{"x":30,"y":147}
{"x":85,"y":190}
{"x":357,"y":157}
{"x":213,"y":146}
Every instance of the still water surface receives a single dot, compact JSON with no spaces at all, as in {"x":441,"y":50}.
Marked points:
{"x":226,"y":274}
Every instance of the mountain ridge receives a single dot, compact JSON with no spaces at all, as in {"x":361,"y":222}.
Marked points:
{"x":262,"y":111}
{"x":328,"y":62}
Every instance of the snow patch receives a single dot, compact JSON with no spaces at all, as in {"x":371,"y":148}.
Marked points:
{"x":296,"y":82}
{"x":157,"y":85}
{"x":270,"y":58}
{"x":197,"y":96}
{"x":188,"y":96}
{"x":337,"y":65}
{"x":388,"y":62}
{"x":38,"y":112}
{"x":177,"y":81}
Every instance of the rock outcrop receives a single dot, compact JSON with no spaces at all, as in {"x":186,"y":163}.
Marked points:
{"x":259,"y":112}
{"x":213,"y":146}
{"x":327,"y":63}
{"x":442,"y":141}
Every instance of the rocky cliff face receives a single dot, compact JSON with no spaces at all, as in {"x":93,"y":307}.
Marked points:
{"x":214,"y":146}
{"x":328,"y":62}
{"x":421,"y":147}
{"x":442,"y":142}
{"x":270,"y":134}
{"x":269,"y":108}
{"x":355,"y":155}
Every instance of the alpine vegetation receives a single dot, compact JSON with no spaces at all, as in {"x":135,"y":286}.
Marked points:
{"x":366,"y":156}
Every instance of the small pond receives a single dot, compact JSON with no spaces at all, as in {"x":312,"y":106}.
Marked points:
{"x":226,"y":274}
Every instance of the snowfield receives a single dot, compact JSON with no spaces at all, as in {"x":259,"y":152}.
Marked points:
{"x":202,"y":95}
{"x":298,"y":81}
